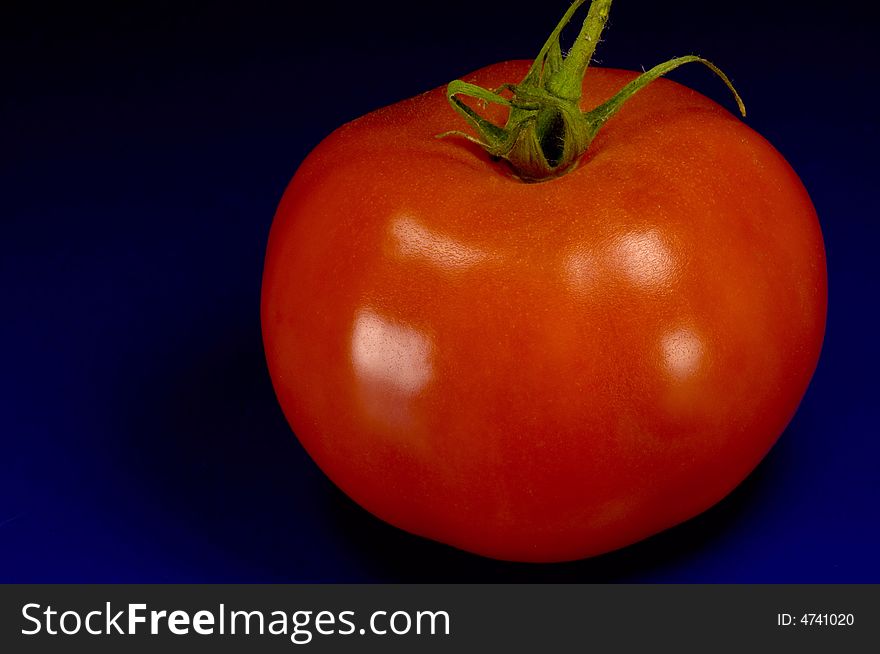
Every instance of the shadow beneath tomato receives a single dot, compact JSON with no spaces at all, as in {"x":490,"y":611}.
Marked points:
{"x":396,"y":556}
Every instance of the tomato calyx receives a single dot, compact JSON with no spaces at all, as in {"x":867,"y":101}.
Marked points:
{"x":546,"y":132}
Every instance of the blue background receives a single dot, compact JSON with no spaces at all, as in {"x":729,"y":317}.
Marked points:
{"x":143,"y":149}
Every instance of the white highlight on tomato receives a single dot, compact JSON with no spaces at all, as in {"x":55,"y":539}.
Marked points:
{"x":682,"y":352}
{"x":390,"y":353}
{"x":414,"y":240}
{"x":644,"y":258}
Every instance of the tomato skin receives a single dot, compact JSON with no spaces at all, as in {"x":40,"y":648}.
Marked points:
{"x":543,"y":372}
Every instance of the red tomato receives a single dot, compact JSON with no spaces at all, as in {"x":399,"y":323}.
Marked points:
{"x":543,"y":372}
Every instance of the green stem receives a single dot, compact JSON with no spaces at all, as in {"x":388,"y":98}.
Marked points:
{"x":604,"y":111}
{"x":546,"y":132}
{"x":567,"y":83}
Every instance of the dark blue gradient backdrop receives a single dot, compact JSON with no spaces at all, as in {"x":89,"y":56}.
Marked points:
{"x":143,"y":149}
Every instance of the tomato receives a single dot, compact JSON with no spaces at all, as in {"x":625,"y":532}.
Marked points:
{"x":543,"y":371}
